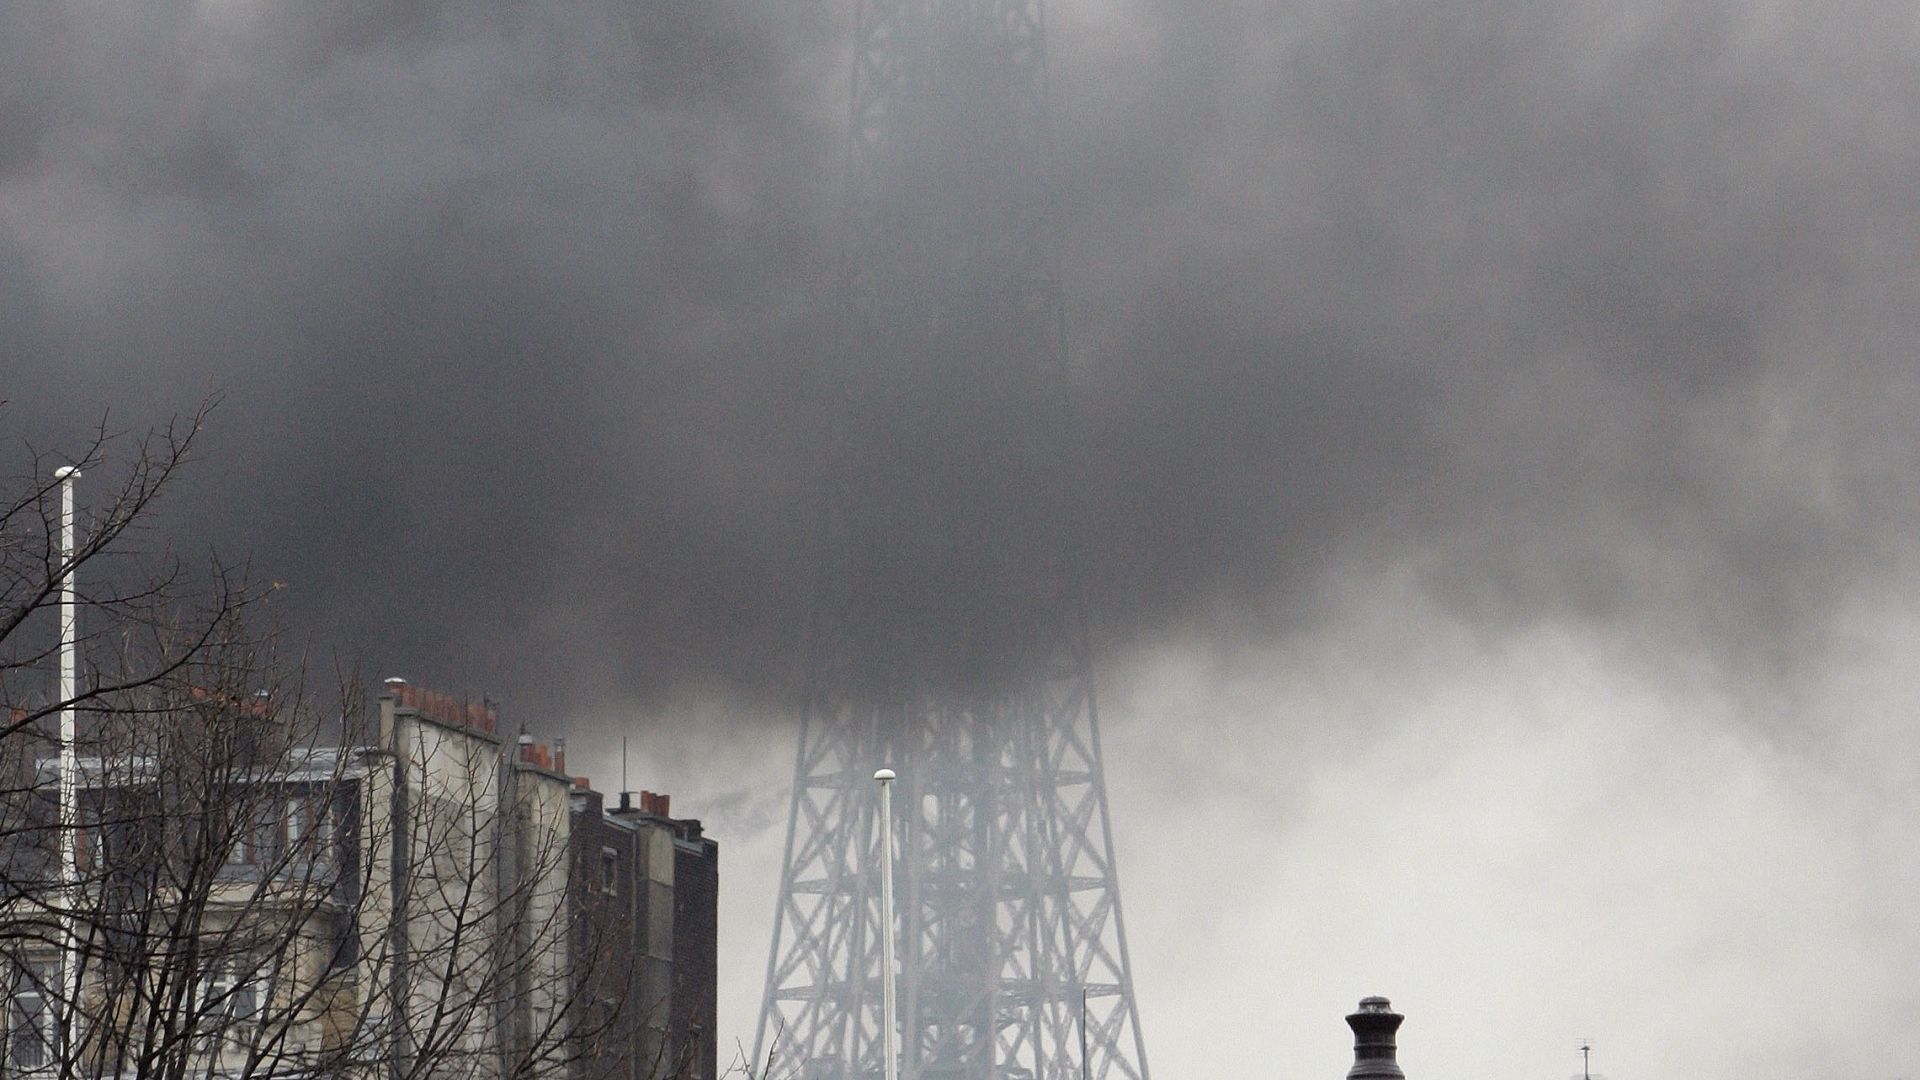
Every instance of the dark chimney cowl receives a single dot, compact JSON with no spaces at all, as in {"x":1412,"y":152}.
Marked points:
{"x":1374,"y":1052}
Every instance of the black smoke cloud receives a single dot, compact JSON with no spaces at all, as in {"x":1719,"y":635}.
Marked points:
{"x":522,"y":313}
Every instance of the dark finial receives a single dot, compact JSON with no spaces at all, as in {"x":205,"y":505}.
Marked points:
{"x":1374,"y":1052}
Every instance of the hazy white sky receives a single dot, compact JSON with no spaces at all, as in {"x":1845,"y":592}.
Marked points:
{"x":1524,"y":839}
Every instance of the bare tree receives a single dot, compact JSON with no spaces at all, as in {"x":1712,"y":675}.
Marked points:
{"x":33,"y":567}
{"x":272,"y":880}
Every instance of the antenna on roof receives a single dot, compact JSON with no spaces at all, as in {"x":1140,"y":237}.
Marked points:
{"x":1586,"y":1062}
{"x":626,"y":796}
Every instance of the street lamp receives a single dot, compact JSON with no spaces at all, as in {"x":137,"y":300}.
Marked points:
{"x":69,"y":759}
{"x":889,"y":1019}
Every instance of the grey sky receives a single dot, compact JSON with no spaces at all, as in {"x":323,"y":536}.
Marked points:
{"x":1499,"y":447}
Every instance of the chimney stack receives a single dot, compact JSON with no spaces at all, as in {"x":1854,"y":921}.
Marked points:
{"x":1374,"y":1052}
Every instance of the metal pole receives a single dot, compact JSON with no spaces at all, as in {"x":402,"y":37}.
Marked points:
{"x":889,"y":1014}
{"x":69,"y":764}
{"x":1083,"y":1033}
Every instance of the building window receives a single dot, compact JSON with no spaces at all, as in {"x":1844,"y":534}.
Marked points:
{"x":323,"y":828}
{"x":87,"y":842}
{"x":248,"y":991}
{"x":610,"y":870}
{"x":216,"y":993}
{"x":30,"y":1019}
{"x":345,"y":934}
{"x":266,"y":846}
{"x":232,"y":993}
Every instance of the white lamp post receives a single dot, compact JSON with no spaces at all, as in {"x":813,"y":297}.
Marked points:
{"x":889,"y":1014}
{"x":69,"y":759}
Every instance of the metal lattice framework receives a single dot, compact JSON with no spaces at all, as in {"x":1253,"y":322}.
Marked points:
{"x":971,"y":680}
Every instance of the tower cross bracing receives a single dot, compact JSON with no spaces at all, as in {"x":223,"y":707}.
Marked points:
{"x":947,"y":641}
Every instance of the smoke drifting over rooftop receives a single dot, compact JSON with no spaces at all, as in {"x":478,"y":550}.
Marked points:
{"x":524,"y":319}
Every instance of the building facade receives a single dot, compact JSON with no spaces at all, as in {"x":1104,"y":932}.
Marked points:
{"x":428,"y":897}
{"x":649,"y":882}
{"x":696,"y":957}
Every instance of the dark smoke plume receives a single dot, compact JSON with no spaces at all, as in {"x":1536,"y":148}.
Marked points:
{"x":525,"y":316}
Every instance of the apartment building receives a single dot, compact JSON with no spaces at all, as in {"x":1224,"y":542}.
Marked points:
{"x":649,"y":882}
{"x":428,"y":897}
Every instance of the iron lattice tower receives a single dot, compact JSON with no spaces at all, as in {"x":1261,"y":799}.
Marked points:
{"x":947,"y":641}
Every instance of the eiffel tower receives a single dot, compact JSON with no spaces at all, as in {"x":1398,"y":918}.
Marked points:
{"x":947,"y":640}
